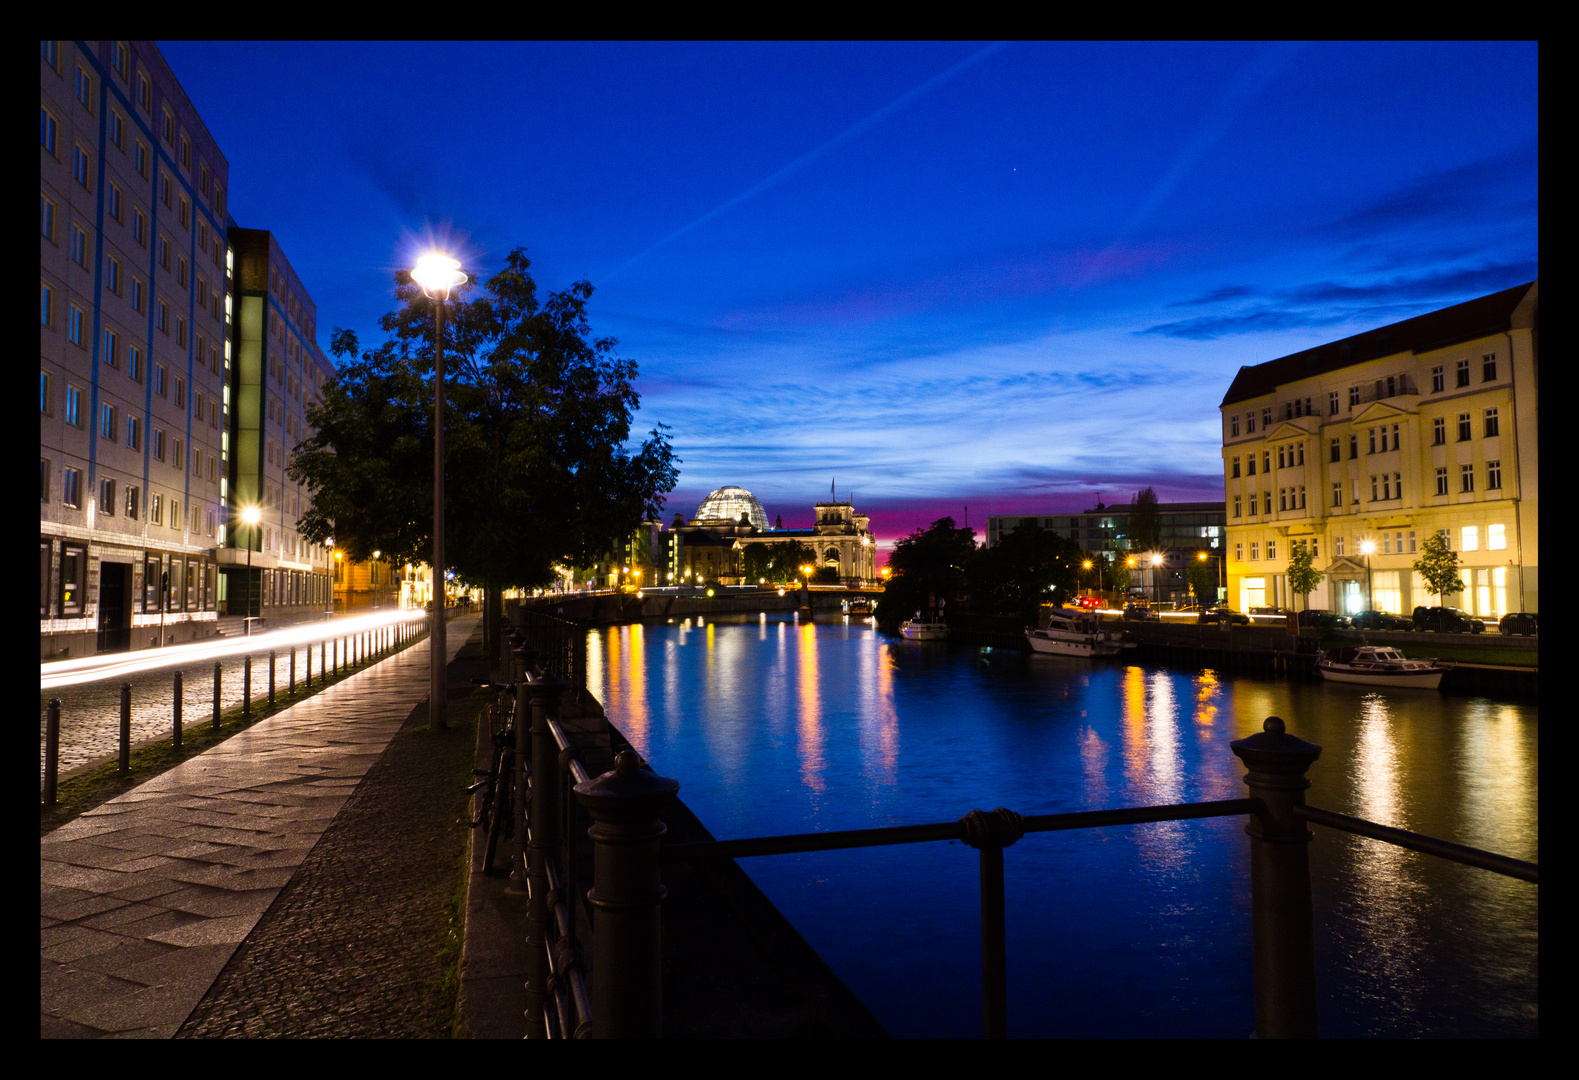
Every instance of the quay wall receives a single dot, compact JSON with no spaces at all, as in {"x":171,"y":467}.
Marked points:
{"x":602,"y":609}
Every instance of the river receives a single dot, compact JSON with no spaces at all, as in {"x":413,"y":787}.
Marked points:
{"x":775,"y":726}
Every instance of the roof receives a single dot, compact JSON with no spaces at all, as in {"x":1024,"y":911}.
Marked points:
{"x":1434,"y":330}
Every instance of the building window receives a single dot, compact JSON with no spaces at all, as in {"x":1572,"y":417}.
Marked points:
{"x":140,"y":159}
{"x":1395,"y":437}
{"x":1334,"y":451}
{"x":81,"y":167}
{"x":112,"y":348}
{"x":162,"y":316}
{"x":1267,"y":499}
{"x":133,"y":502}
{"x":1332,"y":403}
{"x":1491,"y":423}
{"x":1337,"y":493}
{"x":46,"y":394}
{"x":51,"y":55}
{"x":184,"y":214}
{"x":1398,"y":485}
{"x":1282,"y":498}
{"x":1337,"y":546}
{"x":1371,"y":434}
{"x":1250,"y":464}
{"x":1239,"y":553}
{"x":85,"y":89}
{"x":177,"y":454}
{"x":140,"y":228}
{"x":180,"y":275}
{"x":1235,"y":475}
{"x":73,"y":577}
{"x":203,"y":186}
{"x":134,"y":438}
{"x":1438,"y":380}
{"x":1255,"y":551}
{"x":1266,"y":461}
{"x":1271,"y":549}
{"x":180,"y":393}
{"x":169,"y":128}
{"x":1441,"y":481}
{"x":43,"y":480}
{"x":1463,"y":373}
{"x":73,"y":406}
{"x":1302,"y":496}
{"x":1250,"y":423}
{"x":107,"y":425}
{"x":1494,"y":476}
{"x":219,"y":200}
{"x":1470,"y":538}
{"x":1354,"y":445}
{"x":71,"y":493}
{"x":107,"y":497}
{"x":159,"y":379}
{"x":186,"y":153}
{"x":1488,"y":368}
{"x":1439,"y":431}
{"x":156,"y":510}
{"x":1236,"y":505}
{"x":1466,"y":478}
{"x":112,"y":275}
{"x":46,"y":218}
{"x":74,"y":324}
{"x":1266,"y":419}
{"x":1496,"y":538}
{"x":180,"y":330}
{"x":1233,"y":424}
{"x":1464,"y":432}
{"x":1373,"y":488}
{"x":1354,"y":396}
{"x":79,"y":246}
{"x":46,"y":304}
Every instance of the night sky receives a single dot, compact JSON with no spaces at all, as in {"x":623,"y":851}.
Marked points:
{"x":1014,"y":277}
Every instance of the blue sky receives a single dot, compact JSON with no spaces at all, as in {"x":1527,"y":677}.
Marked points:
{"x":1008,"y":276}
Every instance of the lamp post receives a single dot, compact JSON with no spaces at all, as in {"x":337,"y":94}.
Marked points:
{"x":250,"y":516}
{"x":1366,"y":547}
{"x":1156,"y":569}
{"x":437,"y":274}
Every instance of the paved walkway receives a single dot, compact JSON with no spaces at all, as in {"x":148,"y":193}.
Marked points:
{"x":145,"y":899}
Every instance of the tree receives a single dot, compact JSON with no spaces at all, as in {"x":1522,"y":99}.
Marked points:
{"x":1118,"y":573}
{"x":537,"y":411}
{"x":1026,"y":568}
{"x":1145,"y":522}
{"x":928,"y":564}
{"x":1303,"y":577}
{"x":1202,"y":576}
{"x":1438,"y":566}
{"x":778,"y":562}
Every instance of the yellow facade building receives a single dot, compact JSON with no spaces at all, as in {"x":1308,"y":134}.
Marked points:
{"x":1361,"y":448}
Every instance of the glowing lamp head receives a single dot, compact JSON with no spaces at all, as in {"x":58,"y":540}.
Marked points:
{"x":251,"y":515}
{"x":1156,"y":560}
{"x":1201,"y":555}
{"x":437,"y":274}
{"x":1367,"y":547}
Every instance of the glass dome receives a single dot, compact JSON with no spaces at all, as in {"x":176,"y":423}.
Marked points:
{"x":729,"y":503}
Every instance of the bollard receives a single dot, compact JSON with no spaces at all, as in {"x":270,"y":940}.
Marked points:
{"x":292,"y":690}
{"x":175,"y":715}
{"x":1281,"y":922}
{"x":627,"y":965}
{"x":216,"y":695}
{"x":271,"y":680}
{"x":51,"y":751}
{"x":990,"y":833}
{"x":544,"y":807}
{"x":126,"y":728}
{"x":246,"y":687}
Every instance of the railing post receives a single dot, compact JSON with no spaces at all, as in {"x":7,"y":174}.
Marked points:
{"x":627,"y":966}
{"x":175,"y":714}
{"x":1282,"y":925}
{"x":292,"y":690}
{"x":51,"y":752}
{"x":246,"y":687}
{"x":216,"y":694}
{"x":540,"y":830}
{"x":990,"y":833}
{"x":126,"y":728}
{"x":271,"y":680}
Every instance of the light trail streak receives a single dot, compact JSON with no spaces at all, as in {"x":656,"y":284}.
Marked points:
{"x":89,"y":669}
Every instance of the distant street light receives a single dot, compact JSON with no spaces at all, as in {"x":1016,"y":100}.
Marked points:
{"x":250,"y":516}
{"x":438,"y":274}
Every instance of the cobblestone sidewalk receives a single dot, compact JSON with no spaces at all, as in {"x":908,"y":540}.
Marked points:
{"x":144,"y":899}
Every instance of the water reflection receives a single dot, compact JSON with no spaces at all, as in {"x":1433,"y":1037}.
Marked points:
{"x":776,"y":726}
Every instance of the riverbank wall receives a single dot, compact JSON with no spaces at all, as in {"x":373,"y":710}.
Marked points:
{"x":604,"y":609}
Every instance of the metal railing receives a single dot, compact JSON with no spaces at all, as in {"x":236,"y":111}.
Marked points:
{"x":626,"y":804}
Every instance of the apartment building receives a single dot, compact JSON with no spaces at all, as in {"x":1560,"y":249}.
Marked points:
{"x":1363,"y":447}
{"x":137,"y":336}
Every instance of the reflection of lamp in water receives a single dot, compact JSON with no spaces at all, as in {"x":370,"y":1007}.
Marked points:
{"x":1366,"y":547}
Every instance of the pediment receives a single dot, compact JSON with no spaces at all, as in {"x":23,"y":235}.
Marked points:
{"x":1379,"y":410}
{"x":1293,"y":429}
{"x":1344,"y":565}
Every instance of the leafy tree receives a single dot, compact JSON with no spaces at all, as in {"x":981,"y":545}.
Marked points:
{"x":929,"y":563}
{"x":779,"y":562}
{"x":537,"y":415}
{"x":1028,"y":567}
{"x":1303,"y":577}
{"x":1438,"y":566}
{"x":1117,"y":574}
{"x":1145,"y":522}
{"x":1202,"y":576}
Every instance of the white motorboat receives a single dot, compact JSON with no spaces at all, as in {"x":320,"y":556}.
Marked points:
{"x":1371,"y":665}
{"x":930,"y":627}
{"x":1072,"y":632}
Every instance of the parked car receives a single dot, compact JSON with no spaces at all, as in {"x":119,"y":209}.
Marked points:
{"x":1089,"y":603}
{"x":1140,"y":613}
{"x":1322,"y":620}
{"x":1380,"y":620}
{"x":1222,"y":615}
{"x":1520,"y":622}
{"x":1446,"y":620}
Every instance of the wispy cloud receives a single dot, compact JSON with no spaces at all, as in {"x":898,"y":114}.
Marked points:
{"x":1490,"y":186}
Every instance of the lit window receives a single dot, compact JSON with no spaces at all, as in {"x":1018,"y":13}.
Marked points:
{"x":1470,"y":538}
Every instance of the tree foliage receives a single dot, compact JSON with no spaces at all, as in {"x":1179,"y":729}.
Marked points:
{"x":928,"y":564}
{"x":1202,"y":576}
{"x":779,"y":562}
{"x":1438,"y":566}
{"x":1025,"y":569}
{"x":1303,"y":577}
{"x":1145,"y":522}
{"x":537,"y":414}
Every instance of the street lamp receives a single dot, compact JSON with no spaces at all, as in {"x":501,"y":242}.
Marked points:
{"x":250,"y":516}
{"x":438,"y":274}
{"x":1366,"y":547}
{"x":1156,"y":567}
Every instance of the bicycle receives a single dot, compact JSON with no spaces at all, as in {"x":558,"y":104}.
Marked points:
{"x":496,"y":814}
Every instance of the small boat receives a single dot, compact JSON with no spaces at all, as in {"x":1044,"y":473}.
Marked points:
{"x":858,"y":605}
{"x":1371,"y":665}
{"x":1072,"y":632}
{"x":930,"y":627}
